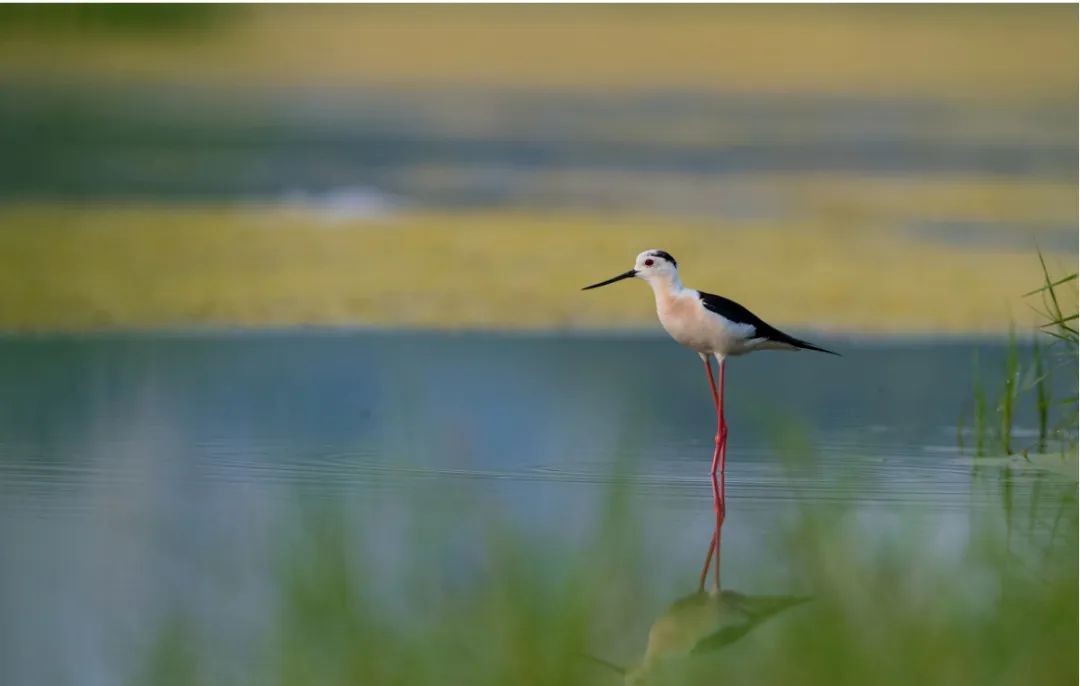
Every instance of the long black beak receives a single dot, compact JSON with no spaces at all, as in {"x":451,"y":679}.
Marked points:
{"x":620,"y":277}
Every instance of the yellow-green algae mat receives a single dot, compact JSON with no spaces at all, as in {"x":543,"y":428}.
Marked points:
{"x":72,"y":268}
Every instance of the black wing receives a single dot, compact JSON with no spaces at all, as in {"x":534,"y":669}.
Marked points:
{"x":733,"y":311}
{"x":756,"y":611}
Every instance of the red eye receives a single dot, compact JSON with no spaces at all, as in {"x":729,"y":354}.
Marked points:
{"x":648,"y":263}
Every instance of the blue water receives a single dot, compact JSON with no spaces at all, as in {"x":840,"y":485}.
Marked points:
{"x":144,"y":473}
{"x":67,"y":141}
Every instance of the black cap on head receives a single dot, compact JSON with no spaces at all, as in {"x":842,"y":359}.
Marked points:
{"x":665,"y":256}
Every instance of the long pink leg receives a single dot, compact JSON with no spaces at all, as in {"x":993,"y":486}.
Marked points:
{"x":708,"y":561}
{"x":720,"y":454}
{"x":714,"y":545}
{"x":719,"y":458}
{"x":721,"y":512}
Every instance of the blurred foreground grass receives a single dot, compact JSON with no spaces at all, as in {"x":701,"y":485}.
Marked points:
{"x":888,"y":606}
{"x":96,"y":266}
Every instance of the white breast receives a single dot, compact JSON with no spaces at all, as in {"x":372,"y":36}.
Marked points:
{"x":683,"y":315}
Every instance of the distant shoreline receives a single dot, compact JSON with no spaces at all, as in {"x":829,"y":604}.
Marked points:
{"x":937,"y":51}
{"x":299,"y":331}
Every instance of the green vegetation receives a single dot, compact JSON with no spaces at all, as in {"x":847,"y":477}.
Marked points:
{"x":43,"y":20}
{"x":1058,"y":321}
{"x":979,"y":429}
{"x":1007,"y":404}
{"x":1032,"y":380}
{"x":1059,"y":313}
{"x":887,"y":608}
{"x":1042,"y":393}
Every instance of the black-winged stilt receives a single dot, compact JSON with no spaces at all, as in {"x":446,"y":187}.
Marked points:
{"x":709,"y":324}
{"x":701,"y":622}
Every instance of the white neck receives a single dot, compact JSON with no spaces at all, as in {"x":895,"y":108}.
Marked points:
{"x":666,"y":286}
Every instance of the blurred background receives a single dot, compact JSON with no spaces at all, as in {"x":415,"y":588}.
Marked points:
{"x":297,"y":385}
{"x":846,"y":168}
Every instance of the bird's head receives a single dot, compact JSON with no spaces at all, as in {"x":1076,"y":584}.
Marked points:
{"x":650,"y":265}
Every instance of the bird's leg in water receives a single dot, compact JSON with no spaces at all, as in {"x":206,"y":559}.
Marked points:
{"x":721,"y":511}
{"x":720,"y":453}
{"x":708,"y":561}
{"x":714,"y":545}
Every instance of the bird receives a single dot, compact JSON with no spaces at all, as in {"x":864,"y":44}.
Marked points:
{"x":702,"y":622}
{"x":698,"y":624}
{"x":711,"y":325}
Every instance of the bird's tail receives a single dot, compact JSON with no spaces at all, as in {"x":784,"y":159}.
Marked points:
{"x":810,"y":346}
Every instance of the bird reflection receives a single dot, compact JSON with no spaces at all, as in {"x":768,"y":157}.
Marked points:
{"x":708,"y":619}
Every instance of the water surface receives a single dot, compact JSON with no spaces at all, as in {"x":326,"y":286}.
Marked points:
{"x":140,"y":474}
